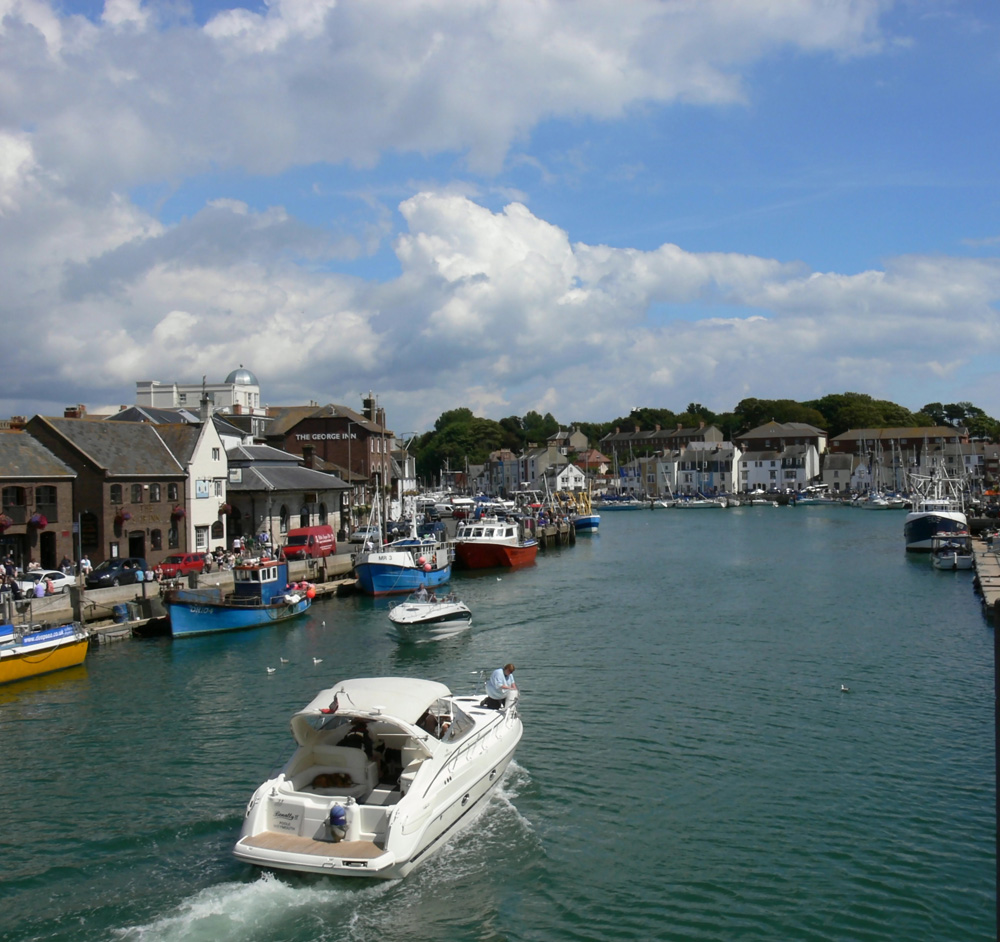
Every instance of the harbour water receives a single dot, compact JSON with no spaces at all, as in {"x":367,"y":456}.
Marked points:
{"x":691,"y":768}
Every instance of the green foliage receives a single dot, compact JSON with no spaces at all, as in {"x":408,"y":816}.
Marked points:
{"x":459,"y":437}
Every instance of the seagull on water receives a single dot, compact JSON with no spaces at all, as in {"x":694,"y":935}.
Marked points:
{"x":317,"y":660}
{"x":844,"y":688}
{"x":284,"y":660}
{"x":271,"y":670}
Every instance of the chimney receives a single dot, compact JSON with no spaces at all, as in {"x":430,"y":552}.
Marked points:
{"x":307,"y":455}
{"x":237,"y":408}
{"x":657,"y":428}
{"x":679,"y":426}
{"x":18,"y":422}
{"x":78,"y":411}
{"x":637,"y":430}
{"x":203,"y":408}
{"x":701,"y":424}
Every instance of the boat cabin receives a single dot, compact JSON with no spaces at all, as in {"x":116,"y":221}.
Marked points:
{"x":260,"y":583}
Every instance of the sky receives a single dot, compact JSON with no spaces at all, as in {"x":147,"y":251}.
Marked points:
{"x":565,"y":206}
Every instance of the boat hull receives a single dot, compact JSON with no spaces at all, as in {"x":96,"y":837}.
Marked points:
{"x":200,"y":618}
{"x":385,"y":577}
{"x":42,"y":656}
{"x":586,"y":522}
{"x":920,"y":528}
{"x":470,"y":554}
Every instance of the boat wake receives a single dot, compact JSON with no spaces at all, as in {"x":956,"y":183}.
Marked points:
{"x":263,"y":909}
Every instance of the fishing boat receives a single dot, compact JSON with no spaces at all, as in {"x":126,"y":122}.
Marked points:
{"x":492,"y":542}
{"x":30,"y":651}
{"x":385,"y":771}
{"x":261,"y":596}
{"x":405,"y":564}
{"x":952,"y":551}
{"x":425,"y":616}
{"x":937,"y":508}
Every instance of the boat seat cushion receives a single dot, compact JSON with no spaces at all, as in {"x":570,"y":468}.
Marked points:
{"x":331,"y":762}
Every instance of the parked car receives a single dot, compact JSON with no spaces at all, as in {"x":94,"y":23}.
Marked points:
{"x":60,"y":581}
{"x":120,"y":571}
{"x":180,"y":564}
{"x":365,"y":533}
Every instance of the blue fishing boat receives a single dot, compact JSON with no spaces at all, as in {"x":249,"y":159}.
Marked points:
{"x":261,"y":596}
{"x":403,"y":566}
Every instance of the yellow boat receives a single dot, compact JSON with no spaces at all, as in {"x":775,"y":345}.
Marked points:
{"x":28,"y":652}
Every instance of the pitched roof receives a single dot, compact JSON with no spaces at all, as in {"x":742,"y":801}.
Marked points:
{"x":155,"y":415}
{"x":876,"y":434}
{"x":285,"y":418}
{"x":777,"y":429}
{"x":181,"y":440}
{"x":263,"y":468}
{"x":24,"y":456}
{"x":119,"y":448}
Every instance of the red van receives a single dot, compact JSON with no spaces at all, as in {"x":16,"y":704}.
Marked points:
{"x":310,"y":543}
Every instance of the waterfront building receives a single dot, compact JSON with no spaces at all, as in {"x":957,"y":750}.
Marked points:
{"x":130,"y":492}
{"x":777,"y":436}
{"x":36,"y":489}
{"x":357,"y":447}
{"x":759,"y":471}
{"x":199,"y":449}
{"x":707,"y":468}
{"x":270,"y":491}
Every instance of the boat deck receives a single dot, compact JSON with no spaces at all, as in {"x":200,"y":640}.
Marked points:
{"x":292,"y":843}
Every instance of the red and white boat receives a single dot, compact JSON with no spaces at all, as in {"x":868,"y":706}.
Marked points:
{"x":491,"y":542}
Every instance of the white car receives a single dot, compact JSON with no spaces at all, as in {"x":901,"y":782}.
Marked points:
{"x":60,"y":581}
{"x":365,"y":533}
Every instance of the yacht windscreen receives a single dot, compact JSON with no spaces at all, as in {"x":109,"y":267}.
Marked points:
{"x":461,"y":723}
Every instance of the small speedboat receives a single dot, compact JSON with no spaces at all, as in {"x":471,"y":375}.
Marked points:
{"x":424,"y":613}
{"x":952,"y":551}
{"x":386,"y":770}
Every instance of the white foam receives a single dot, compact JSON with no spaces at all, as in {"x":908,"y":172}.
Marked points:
{"x":237,"y":911}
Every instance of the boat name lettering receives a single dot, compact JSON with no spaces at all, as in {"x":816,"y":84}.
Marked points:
{"x":285,"y":814}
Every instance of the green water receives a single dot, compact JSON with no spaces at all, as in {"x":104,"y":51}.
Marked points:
{"x":690,"y":768}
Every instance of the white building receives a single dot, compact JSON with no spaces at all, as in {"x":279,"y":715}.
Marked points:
{"x":239,"y":394}
{"x":199,"y":449}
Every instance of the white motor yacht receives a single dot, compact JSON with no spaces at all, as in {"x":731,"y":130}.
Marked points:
{"x":424,"y":614}
{"x":386,"y":771}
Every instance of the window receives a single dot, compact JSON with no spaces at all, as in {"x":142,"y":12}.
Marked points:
{"x":13,"y":497}
{"x":171,"y":492}
{"x":156,"y":539}
{"x":201,"y":539}
{"x":322,"y":513}
{"x":136,"y":493}
{"x":303,"y":516}
{"x":115,"y":493}
{"x":45,"y":494}
{"x":218,"y":487}
{"x":154,"y":493}
{"x":216,"y":454}
{"x":283,"y":520}
{"x":173,"y":538}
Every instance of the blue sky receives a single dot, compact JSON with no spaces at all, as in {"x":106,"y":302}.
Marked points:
{"x":569,"y":207}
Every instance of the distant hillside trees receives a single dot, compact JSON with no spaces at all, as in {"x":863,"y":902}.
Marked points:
{"x":459,"y":437}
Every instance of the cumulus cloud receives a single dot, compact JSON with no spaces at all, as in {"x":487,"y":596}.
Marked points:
{"x":500,"y":308}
